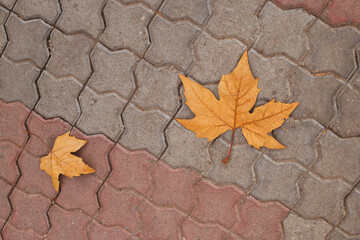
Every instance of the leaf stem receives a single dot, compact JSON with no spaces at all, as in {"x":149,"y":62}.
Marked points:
{"x":225,"y":160}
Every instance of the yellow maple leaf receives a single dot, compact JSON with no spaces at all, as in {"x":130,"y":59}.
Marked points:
{"x":61,"y":161}
{"x":237,"y":95}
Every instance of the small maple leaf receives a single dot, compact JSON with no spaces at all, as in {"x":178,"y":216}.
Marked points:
{"x":237,"y":95}
{"x":61,"y":161}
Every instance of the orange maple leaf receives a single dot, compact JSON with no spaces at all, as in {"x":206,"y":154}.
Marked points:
{"x":237,"y":95}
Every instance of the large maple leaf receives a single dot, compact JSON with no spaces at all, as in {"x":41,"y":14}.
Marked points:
{"x":237,"y":95}
{"x":61,"y":161}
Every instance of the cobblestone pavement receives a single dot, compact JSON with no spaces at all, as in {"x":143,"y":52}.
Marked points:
{"x":108,"y":71}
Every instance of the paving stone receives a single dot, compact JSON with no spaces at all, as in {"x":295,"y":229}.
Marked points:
{"x":9,"y":153}
{"x":277,"y":181}
{"x":12,"y":233}
{"x":283,"y":31}
{"x":113,"y":71}
{"x":29,"y":211}
{"x":185,"y":149}
{"x":3,"y":38}
{"x":154,"y":4}
{"x":215,"y":58}
{"x":332,"y":49}
{"x":195,"y":230}
{"x":8,"y":3}
{"x":339,"y":235}
{"x":67,"y":224}
{"x":157,"y":88}
{"x":339,"y":158}
{"x":70,"y":55}
{"x":233,"y":18}
{"x":299,"y":138}
{"x":346,"y":125}
{"x":131,"y":170}
{"x":144,"y":130}
{"x":118,"y":208}
{"x":355,"y":81}
{"x":197,"y":10}
{"x":315,"y":96}
{"x":260,"y":220}
{"x":343,"y":12}
{"x":97,"y":231}
{"x":58,"y":97}
{"x":81,"y":16}
{"x":27,"y":40}
{"x":17,"y":82}
{"x":4,"y":204}
{"x":296,"y":228}
{"x":239,"y":169}
{"x":234,"y":237}
{"x":171,"y":43}
{"x":126,"y":27}
{"x":159,"y":223}
{"x":351,"y":222}
{"x":216,"y":204}
{"x":173,"y":187}
{"x":45,"y":9}
{"x":314,"y":6}
{"x":322,"y":198}
{"x":100,"y":113}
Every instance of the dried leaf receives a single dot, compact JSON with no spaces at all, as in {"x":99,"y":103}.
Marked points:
{"x":61,"y":161}
{"x":237,"y":96}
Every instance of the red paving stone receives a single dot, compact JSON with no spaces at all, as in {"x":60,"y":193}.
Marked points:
{"x":194,"y":230}
{"x":12,"y":233}
{"x":98,"y":231}
{"x":343,"y":11}
{"x":4,"y":204}
{"x":9,"y":153}
{"x":314,"y":6}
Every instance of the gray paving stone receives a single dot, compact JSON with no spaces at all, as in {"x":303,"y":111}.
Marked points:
{"x":315,"y":95}
{"x":297,"y":228}
{"x":126,"y":27}
{"x":17,"y":82}
{"x":239,"y":169}
{"x":347,"y":124}
{"x":277,"y":181}
{"x":48,"y":10}
{"x":351,"y":222}
{"x":70,"y":55}
{"x":232,"y":18}
{"x":332,"y":49}
{"x":3,"y":39}
{"x":58,"y":97}
{"x":154,"y":4}
{"x":101,"y":113}
{"x":215,"y":58}
{"x":171,"y":43}
{"x":299,"y":138}
{"x":339,"y":235}
{"x":196,"y":10}
{"x":113,"y":71}
{"x":8,"y":3}
{"x":322,"y":198}
{"x":81,"y":16}
{"x":283,"y":31}
{"x":27,"y":40}
{"x":339,"y":158}
{"x":144,"y":130}
{"x":157,"y":88}
{"x":355,"y":81}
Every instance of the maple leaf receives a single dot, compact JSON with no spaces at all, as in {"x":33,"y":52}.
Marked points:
{"x":61,"y":161}
{"x":237,"y":96}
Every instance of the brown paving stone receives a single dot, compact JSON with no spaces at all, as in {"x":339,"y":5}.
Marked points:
{"x":339,"y":235}
{"x":216,"y":204}
{"x":97,"y":231}
{"x":355,"y":81}
{"x":131,"y":170}
{"x":3,"y":38}
{"x":9,"y":153}
{"x":351,"y":222}
{"x":67,"y":224}
{"x":154,"y":4}
{"x":314,"y":6}
{"x":260,"y":220}
{"x":4,"y":204}
{"x":45,"y":9}
{"x":173,"y":187}
{"x":198,"y":231}
{"x":8,"y":3}
{"x":343,"y":12}
{"x":12,"y":233}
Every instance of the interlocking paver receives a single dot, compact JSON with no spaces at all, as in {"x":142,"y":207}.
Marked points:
{"x":314,"y":6}
{"x":81,"y":16}
{"x":343,"y":12}
{"x":355,"y":81}
{"x":322,"y":198}
{"x":70,"y":55}
{"x":277,"y":181}
{"x":170,"y":43}
{"x":233,"y":18}
{"x":4,"y":204}
{"x":215,"y":58}
{"x":126,"y":26}
{"x":283,"y":31}
{"x":260,"y":220}
{"x":339,"y":235}
{"x":18,"y":82}
{"x":351,"y":222}
{"x":12,"y":233}
{"x":154,"y":4}
{"x":9,"y":153}
{"x":306,"y":89}
{"x":112,"y":71}
{"x":98,"y":231}
{"x":296,"y":228}
{"x":48,"y":10}
{"x":8,"y":3}
{"x":27,"y":40}
{"x":332,"y":49}
{"x":195,"y":230}
{"x":299,"y":137}
{"x":100,"y":113}
{"x":58,"y":97}
{"x":3,"y":38}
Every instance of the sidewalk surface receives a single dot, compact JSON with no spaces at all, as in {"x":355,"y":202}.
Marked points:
{"x":107,"y":70}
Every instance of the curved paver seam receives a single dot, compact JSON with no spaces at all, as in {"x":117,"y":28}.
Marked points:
{"x":6,"y":33}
